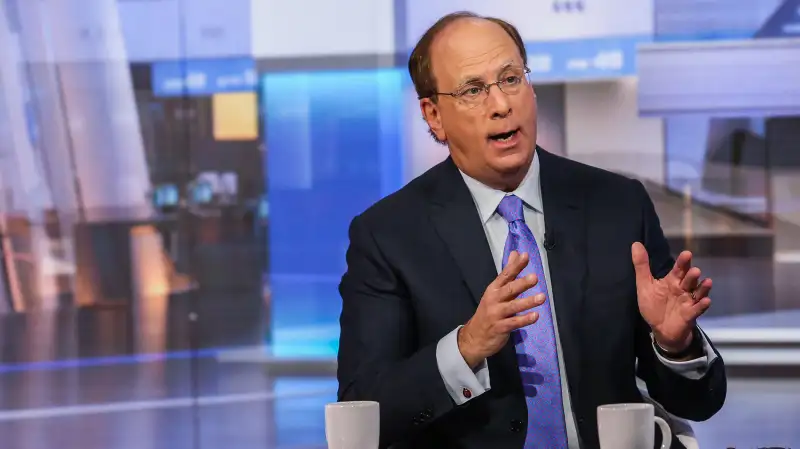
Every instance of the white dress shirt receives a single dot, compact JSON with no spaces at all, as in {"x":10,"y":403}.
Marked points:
{"x":454,"y":370}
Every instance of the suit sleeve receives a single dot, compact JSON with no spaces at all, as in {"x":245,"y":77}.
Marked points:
{"x":696,"y":398}
{"x":694,"y":369}
{"x":379,"y":359}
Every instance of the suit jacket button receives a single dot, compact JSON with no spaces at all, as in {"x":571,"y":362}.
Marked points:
{"x":516,"y":425}
{"x":427,"y":413}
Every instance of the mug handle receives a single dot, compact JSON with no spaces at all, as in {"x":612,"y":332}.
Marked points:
{"x":666,"y":433}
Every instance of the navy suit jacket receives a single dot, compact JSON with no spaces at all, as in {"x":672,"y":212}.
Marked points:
{"x":417,"y":266}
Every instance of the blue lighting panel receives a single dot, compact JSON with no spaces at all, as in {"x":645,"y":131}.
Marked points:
{"x":334,"y":147}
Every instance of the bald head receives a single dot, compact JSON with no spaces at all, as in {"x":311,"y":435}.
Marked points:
{"x":471,"y":76}
{"x":420,"y":63}
{"x":463,"y":46}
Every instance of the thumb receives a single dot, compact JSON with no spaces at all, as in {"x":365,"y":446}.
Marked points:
{"x":641,"y":263}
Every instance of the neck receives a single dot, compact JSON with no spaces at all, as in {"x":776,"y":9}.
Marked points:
{"x":505,"y":182}
{"x":511,"y":183}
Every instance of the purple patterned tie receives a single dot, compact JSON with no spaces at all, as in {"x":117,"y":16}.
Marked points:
{"x":536,"y":344}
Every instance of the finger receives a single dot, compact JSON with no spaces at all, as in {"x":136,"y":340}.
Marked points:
{"x":691,"y":280}
{"x":703,"y":290}
{"x":700,"y":307}
{"x":682,"y":265}
{"x":514,"y":266}
{"x":522,"y":304}
{"x":641,"y":264}
{"x":517,"y":287}
{"x":513,"y":323}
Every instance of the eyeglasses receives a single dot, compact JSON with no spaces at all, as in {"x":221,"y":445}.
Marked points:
{"x":475,"y":93}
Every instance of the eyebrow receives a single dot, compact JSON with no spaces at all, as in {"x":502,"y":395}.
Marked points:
{"x":469,"y":79}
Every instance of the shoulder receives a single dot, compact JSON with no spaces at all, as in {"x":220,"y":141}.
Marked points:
{"x":598,"y":184}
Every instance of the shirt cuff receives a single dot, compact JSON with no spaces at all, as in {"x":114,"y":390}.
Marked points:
{"x":691,"y":369}
{"x":462,"y":382}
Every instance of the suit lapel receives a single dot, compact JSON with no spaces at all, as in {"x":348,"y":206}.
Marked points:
{"x":565,"y":223}
{"x":458,"y":223}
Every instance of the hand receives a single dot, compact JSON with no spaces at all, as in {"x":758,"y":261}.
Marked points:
{"x":670,"y":305}
{"x":489,"y":329}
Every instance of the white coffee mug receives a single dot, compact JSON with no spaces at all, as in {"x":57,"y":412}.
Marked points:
{"x":630,"y":426}
{"x":352,"y":425}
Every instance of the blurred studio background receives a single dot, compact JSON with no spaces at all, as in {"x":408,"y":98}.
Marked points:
{"x":177,"y":178}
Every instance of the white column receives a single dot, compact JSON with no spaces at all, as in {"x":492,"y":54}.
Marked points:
{"x":91,"y":136}
{"x":36,"y":51}
{"x":97,"y":91}
{"x":22,"y":181}
{"x":24,"y":193}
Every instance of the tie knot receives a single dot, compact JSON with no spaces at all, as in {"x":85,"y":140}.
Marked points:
{"x":510,"y":208}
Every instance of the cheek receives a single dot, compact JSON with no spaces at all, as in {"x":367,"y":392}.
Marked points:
{"x":526,"y":104}
{"x":473,"y":135}
{"x":464,"y":127}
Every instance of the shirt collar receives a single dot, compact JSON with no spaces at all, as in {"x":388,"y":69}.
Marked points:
{"x":487,"y":199}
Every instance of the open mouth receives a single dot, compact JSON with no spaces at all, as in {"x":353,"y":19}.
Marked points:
{"x":503,"y":137}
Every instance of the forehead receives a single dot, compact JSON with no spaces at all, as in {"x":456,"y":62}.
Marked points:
{"x":470,"y":49}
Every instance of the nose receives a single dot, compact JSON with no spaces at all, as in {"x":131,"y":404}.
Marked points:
{"x":498,"y":102}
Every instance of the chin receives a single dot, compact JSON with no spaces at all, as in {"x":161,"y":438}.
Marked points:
{"x":512,"y":160}
{"x":510,"y":165}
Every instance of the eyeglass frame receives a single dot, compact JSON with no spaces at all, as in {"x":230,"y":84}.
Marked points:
{"x":458,"y":94}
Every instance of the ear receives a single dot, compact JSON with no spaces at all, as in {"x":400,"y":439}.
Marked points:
{"x":432,"y":115}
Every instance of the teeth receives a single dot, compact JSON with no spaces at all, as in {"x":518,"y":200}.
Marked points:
{"x":503,"y":139}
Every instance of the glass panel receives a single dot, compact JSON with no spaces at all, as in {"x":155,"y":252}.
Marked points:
{"x":97,"y":353}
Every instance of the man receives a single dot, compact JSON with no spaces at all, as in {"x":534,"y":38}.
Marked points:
{"x":587,"y":297}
